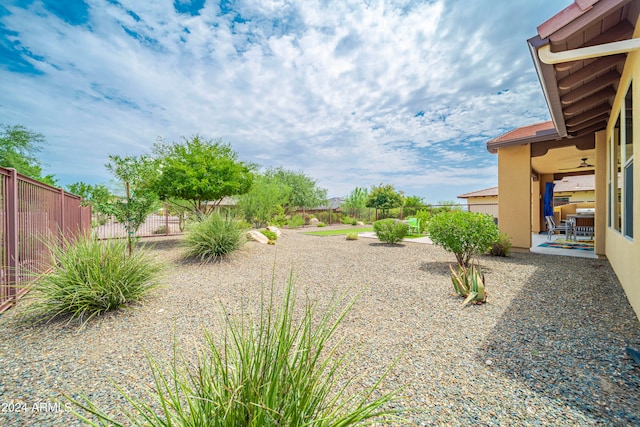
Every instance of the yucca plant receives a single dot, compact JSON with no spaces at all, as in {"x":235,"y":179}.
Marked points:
{"x":469,"y":283}
{"x":213,"y":238}
{"x":277,"y":371}
{"x":89,"y":277}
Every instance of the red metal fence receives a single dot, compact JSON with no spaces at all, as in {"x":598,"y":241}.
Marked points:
{"x":30,"y":213}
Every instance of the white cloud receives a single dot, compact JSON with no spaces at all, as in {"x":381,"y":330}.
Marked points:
{"x":353,"y":93}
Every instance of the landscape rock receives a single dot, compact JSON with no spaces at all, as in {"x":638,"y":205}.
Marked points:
{"x":314,"y":221}
{"x":360,"y":224}
{"x":257,"y":236}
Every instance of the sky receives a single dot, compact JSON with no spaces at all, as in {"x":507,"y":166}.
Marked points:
{"x":351,"y":93}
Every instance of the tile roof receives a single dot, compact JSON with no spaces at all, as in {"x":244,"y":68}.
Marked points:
{"x":525,"y":132}
{"x":567,"y":184}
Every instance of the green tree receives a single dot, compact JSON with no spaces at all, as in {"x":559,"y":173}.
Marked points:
{"x":356,"y":201}
{"x":138,"y":201}
{"x":302,"y":190}
{"x":263,"y":201}
{"x":465,"y":234}
{"x":18,"y":149}
{"x":412,"y":204}
{"x":198,"y":170}
{"x":384,"y":197}
{"x":97,"y":195}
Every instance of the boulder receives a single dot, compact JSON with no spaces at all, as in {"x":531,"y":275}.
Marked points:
{"x":360,"y":224}
{"x":275,"y":230}
{"x":257,"y":236}
{"x":314,"y":221}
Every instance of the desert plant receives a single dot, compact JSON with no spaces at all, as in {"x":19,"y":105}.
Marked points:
{"x":501,"y":246}
{"x":89,"y":277}
{"x":271,"y":235}
{"x":352,"y":236}
{"x":160,"y":230}
{"x":274,"y":372}
{"x":347,"y":220}
{"x":295,"y":221}
{"x":390,"y":230}
{"x":321,"y":224}
{"x":464,"y":233}
{"x":469,"y":283}
{"x":213,"y":238}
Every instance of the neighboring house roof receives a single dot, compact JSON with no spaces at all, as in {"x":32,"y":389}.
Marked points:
{"x":487,"y":192}
{"x":566,"y":184}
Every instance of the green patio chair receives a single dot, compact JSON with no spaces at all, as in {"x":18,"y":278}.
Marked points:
{"x":413,"y":224}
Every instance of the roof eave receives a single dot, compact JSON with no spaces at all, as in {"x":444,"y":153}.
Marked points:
{"x":544,"y":135}
{"x":549,"y":84}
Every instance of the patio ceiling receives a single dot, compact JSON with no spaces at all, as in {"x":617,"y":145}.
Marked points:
{"x":580,"y":93}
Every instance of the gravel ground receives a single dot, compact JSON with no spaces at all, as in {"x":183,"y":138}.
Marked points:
{"x":547,"y":349}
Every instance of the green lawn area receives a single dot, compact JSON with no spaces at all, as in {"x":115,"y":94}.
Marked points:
{"x":340,"y":231}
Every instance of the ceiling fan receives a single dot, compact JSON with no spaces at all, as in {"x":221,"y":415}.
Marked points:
{"x":582,"y":165}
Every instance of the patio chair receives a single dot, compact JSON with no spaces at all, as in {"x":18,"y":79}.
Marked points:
{"x":413,"y":224}
{"x":552,"y":227}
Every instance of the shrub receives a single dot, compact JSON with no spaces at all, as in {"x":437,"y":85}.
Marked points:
{"x":295,"y":221}
{"x":390,"y":230}
{"x":89,"y":277}
{"x":501,"y":246}
{"x":213,"y":238}
{"x":424,"y":215}
{"x":271,"y":235}
{"x":321,"y":224}
{"x":347,"y":220}
{"x":464,"y":233}
{"x":160,"y":230}
{"x":352,"y":236}
{"x":273,"y":372}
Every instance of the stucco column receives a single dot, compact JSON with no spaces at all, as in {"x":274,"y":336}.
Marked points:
{"x":514,"y":194}
{"x":600,"y":221}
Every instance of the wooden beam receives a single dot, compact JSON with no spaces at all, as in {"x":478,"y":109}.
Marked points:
{"x":596,"y":67}
{"x":590,"y":88}
{"x":590,"y":102}
{"x":622,"y":31}
{"x":558,"y":176}
{"x":589,"y":114}
{"x":590,"y":129}
{"x":587,"y":124}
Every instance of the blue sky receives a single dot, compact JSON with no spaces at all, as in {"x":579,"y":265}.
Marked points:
{"x":352,"y":93}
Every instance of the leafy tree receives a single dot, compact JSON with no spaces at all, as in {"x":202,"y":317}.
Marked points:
{"x":412,"y":204}
{"x":198,"y":170}
{"x":18,"y":149}
{"x":263,"y":201}
{"x":303,"y":191}
{"x":464,"y":233}
{"x":97,"y":195}
{"x":356,"y":201}
{"x":384,"y":197}
{"x":139,"y":201}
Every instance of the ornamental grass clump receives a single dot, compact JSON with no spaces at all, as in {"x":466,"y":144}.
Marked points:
{"x":213,"y":238}
{"x":277,"y":370}
{"x":390,"y":230}
{"x":88,"y":278}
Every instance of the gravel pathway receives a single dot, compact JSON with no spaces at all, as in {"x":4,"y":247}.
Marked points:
{"x":547,"y":349}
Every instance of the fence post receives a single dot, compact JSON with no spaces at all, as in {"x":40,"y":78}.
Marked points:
{"x":166,"y":218}
{"x":62,"y":229}
{"x":12,"y":235}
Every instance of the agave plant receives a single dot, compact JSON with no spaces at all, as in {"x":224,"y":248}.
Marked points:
{"x":469,"y":283}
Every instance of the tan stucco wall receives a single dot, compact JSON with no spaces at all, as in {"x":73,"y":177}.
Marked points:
{"x":622,"y":252}
{"x":577,"y":196}
{"x":514,"y":192}
{"x":536,"y":205}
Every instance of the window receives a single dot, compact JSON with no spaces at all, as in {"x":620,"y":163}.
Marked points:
{"x":615,"y":181}
{"x":627,"y":161}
